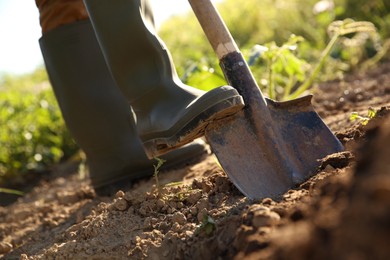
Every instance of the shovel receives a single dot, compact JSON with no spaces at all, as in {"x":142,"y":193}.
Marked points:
{"x":268,"y":147}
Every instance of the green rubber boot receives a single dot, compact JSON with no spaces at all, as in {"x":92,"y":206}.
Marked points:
{"x":168,"y":113}
{"x":95,"y":111}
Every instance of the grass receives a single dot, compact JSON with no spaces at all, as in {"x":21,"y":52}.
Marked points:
{"x":11,"y":191}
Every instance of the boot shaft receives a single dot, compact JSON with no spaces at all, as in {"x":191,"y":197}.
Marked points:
{"x":169,"y":114}
{"x":96,"y":113}
{"x":137,"y":57}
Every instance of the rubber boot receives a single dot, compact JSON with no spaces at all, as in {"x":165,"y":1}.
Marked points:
{"x":95,"y":111}
{"x":169,"y":113}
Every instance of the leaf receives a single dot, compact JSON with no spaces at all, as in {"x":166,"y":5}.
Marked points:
{"x":371,"y":113}
{"x":11,"y":191}
{"x":354,"y":116}
{"x":205,"y":80}
{"x":208,"y":225}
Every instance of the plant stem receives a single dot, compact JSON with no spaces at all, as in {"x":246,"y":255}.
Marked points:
{"x":377,"y":57}
{"x":287,"y":89}
{"x":10,"y":191}
{"x":324,"y":55}
{"x":157,"y":167}
{"x":271,"y":85}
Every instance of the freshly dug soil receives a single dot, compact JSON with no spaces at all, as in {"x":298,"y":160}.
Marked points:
{"x":343,"y":212}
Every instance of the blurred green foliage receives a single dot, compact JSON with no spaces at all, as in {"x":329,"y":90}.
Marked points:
{"x":32,"y":134}
{"x":271,"y":23}
{"x":376,"y":11}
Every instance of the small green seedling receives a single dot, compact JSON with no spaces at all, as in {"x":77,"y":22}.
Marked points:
{"x":208,"y":225}
{"x":182,"y":194}
{"x":363,"y":119}
{"x":157,"y":167}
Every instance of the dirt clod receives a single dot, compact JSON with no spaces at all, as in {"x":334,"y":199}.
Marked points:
{"x":5,"y":247}
{"x":179,"y":218}
{"x":337,"y":160}
{"x":120,"y":204}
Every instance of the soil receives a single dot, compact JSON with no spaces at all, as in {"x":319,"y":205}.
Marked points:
{"x":343,"y":212}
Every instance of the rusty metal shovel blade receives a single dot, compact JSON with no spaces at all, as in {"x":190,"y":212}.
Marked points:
{"x":269,"y":146}
{"x":265,"y":167}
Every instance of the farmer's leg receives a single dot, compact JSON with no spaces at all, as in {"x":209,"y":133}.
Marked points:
{"x":169,"y":113}
{"x":96,"y":113}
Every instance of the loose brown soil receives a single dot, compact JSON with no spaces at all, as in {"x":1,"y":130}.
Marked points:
{"x":343,"y":212}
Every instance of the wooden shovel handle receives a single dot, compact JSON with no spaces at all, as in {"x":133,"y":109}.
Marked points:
{"x":214,"y":27}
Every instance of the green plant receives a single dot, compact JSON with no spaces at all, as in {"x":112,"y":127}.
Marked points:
{"x":204,"y":75}
{"x":208,"y":225}
{"x":157,"y":167}
{"x":375,"y":11}
{"x":288,"y":76}
{"x":363,"y":119}
{"x":336,"y":30}
{"x":33,"y":135}
{"x":283,"y":68}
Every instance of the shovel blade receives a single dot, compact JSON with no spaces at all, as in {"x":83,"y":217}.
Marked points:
{"x":261,"y":166}
{"x":306,"y":138}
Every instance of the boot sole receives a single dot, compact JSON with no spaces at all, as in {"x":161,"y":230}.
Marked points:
{"x":195,"y":129}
